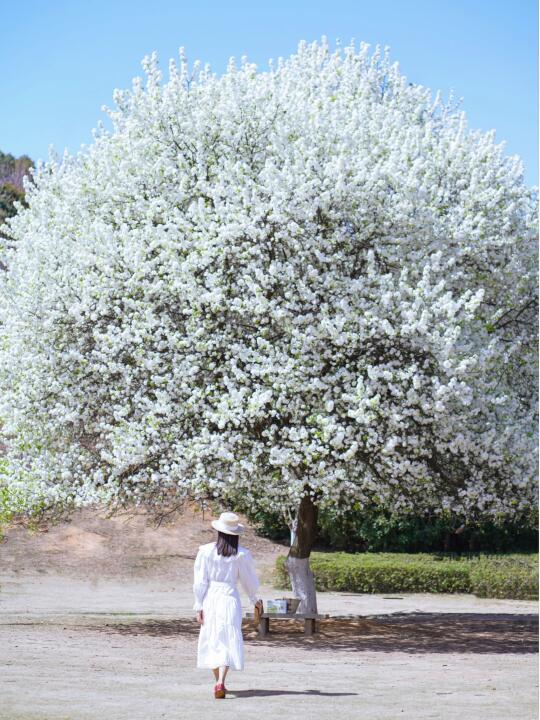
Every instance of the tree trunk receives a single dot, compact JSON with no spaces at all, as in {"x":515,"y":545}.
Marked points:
{"x":302,"y":580}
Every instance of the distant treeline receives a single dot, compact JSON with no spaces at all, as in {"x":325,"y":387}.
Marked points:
{"x":377,"y":530}
{"x":12,"y":171}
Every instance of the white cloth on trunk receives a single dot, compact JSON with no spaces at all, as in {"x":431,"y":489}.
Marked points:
{"x":216,"y":593}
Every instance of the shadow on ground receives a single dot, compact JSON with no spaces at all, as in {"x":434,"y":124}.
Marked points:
{"x":407,"y":632}
{"x":268,"y":693}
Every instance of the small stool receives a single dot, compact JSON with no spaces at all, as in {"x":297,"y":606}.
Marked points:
{"x":308,"y":618}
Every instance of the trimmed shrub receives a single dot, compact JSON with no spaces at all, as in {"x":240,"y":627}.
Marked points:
{"x":514,"y":577}
{"x":501,"y":577}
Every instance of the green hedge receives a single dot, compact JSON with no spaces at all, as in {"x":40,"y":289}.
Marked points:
{"x":510,"y":576}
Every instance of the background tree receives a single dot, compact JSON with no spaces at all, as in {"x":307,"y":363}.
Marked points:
{"x":292,"y":289}
{"x":12,"y":172}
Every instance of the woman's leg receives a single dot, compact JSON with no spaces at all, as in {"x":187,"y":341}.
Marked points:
{"x":223,"y":673}
{"x":216,"y":673}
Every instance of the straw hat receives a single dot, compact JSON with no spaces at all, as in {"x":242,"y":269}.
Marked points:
{"x":228,"y":523}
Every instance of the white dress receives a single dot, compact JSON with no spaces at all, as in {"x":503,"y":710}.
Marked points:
{"x":216,"y":593}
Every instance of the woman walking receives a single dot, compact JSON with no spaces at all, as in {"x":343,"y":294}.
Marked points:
{"x":218,"y":567}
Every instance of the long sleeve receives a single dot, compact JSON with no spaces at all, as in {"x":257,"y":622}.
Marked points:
{"x":200,"y":580}
{"x":248,"y":575}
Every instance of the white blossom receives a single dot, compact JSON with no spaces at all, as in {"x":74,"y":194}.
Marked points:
{"x":309,"y":276}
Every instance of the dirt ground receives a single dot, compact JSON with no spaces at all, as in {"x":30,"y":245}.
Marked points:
{"x":96,"y":624}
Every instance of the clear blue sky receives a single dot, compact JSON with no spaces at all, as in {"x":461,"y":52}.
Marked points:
{"x":60,"y":60}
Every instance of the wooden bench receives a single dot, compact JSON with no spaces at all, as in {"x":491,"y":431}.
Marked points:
{"x":309,"y":621}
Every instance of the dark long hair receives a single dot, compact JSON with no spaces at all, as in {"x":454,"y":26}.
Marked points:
{"x":227,"y":545}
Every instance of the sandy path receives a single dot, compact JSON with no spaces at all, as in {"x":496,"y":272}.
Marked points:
{"x":96,"y":623}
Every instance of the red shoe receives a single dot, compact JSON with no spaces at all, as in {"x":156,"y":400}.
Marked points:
{"x":219,"y":691}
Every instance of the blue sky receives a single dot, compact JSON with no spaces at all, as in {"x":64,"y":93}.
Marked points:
{"x":60,"y":61}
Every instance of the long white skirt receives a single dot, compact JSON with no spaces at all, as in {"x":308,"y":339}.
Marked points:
{"x":220,"y":636}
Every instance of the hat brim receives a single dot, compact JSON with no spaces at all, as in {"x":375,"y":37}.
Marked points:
{"x":237,"y":530}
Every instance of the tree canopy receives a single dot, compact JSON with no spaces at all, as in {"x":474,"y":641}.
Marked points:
{"x":311,"y":279}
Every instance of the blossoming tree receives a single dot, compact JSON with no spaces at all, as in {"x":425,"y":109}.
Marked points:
{"x":306,"y":286}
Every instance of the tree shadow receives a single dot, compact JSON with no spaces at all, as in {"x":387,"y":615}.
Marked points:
{"x":414,"y":632}
{"x":181,"y":627}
